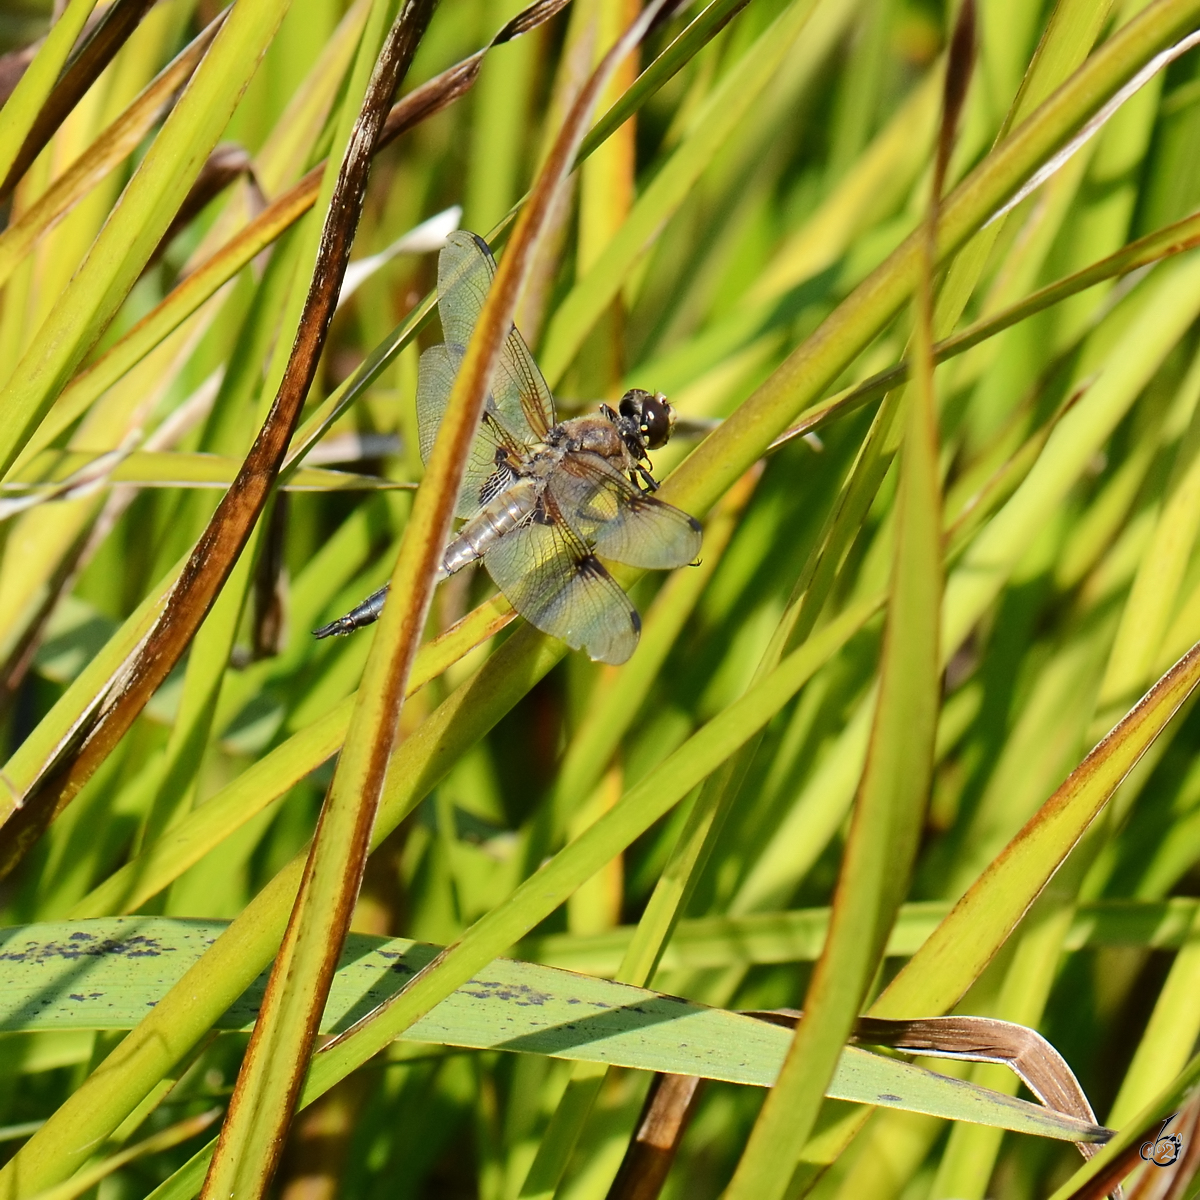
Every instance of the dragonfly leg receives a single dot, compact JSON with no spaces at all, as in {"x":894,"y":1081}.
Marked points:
{"x":646,"y":482}
{"x":366,"y":613}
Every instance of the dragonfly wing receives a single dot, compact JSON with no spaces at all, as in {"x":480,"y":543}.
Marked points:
{"x":550,"y":577}
{"x":618,"y":520}
{"x":520,"y":397}
{"x":465,"y":271}
{"x":481,"y":477}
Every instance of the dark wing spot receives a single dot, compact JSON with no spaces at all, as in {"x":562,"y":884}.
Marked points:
{"x":636,"y":621}
{"x":487,"y":251}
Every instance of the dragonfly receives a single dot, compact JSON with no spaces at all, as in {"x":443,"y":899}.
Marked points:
{"x":543,"y":500}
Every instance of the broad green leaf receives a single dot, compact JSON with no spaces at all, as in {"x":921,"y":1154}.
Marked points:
{"x":103,"y":974}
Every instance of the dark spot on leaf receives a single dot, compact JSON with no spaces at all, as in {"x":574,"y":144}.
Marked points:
{"x":86,"y":945}
{"x":492,"y":989}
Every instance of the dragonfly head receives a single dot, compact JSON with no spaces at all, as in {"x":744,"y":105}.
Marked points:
{"x":654,"y":417}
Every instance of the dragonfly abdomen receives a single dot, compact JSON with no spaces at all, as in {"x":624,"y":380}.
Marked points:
{"x":509,"y":510}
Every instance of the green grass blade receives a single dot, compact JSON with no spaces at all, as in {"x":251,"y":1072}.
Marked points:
{"x":730,"y":102}
{"x":982,"y":920}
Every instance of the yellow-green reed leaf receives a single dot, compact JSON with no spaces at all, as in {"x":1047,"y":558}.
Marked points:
{"x":888,"y":165}
{"x":37,"y":754}
{"x":22,"y":108}
{"x":1070,"y":33}
{"x":729,"y":103}
{"x":202,"y":681}
{"x":222,"y":814}
{"x":562,"y":1131}
{"x":178,"y":468}
{"x":186,"y":1013}
{"x":979,"y":924}
{"x":813,"y":819}
{"x":137,"y":223}
{"x":88,"y":1178}
{"x":1073,"y":27}
{"x":289,"y":148}
{"x":184,"y":845}
{"x":1162,"y":243}
{"x":179,"y":304}
{"x":1168,"y":303}
{"x":813,"y":366}
{"x":367,"y":372}
{"x":103,"y":156}
{"x":701,"y":30}
{"x":634,"y":813}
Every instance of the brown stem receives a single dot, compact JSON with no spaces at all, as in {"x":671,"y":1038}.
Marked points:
{"x":660,"y":1128}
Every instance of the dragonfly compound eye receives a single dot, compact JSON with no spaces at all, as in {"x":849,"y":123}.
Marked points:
{"x":654,"y":416}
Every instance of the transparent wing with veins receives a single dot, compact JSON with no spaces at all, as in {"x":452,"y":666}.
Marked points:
{"x":557,"y":584}
{"x":619,"y":521}
{"x":519,"y":410}
{"x":482,"y":476}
